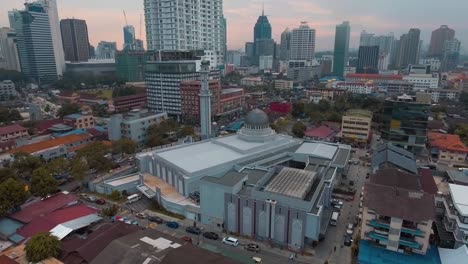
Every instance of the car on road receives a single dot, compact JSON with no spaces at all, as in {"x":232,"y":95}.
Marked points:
{"x":187,"y":239}
{"x":193,"y":230}
{"x":348,"y":241}
{"x":252,"y":247}
{"x":83,"y":195}
{"x":337,"y":202}
{"x":141,"y":215}
{"x":91,"y":199}
{"x":156,"y":219}
{"x":231,"y":241}
{"x":350,"y":231}
{"x":211,"y":235}
{"x":257,"y":260}
{"x":101,"y":201}
{"x":172,"y":224}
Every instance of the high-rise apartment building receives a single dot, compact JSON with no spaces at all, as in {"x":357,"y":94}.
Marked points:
{"x":129,"y":37}
{"x":386,"y":45}
{"x":130,"y":65}
{"x":408,"y":48}
{"x":368,"y":59}
{"x":182,"y":25}
{"x":451,"y":55}
{"x":34,"y":42}
{"x":285,"y":46}
{"x":75,"y":39}
{"x":106,"y":50}
{"x":9,"y":59}
{"x":50,"y":6}
{"x":303,"y":43}
{"x":263,"y":44}
{"x":163,"y":79}
{"x":438,"y":39}
{"x":139,"y":45}
{"x":340,"y":54}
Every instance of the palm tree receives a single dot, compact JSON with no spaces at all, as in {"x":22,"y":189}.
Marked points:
{"x":43,"y":246}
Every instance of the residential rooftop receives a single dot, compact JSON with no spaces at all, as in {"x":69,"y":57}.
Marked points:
{"x":39,"y":146}
{"x":460,"y":198}
{"x":12,"y":129}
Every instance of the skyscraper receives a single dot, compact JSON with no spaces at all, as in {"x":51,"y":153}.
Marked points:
{"x":340,"y":55}
{"x":368,"y":59}
{"x":106,"y":50}
{"x":407,"y":51}
{"x":75,"y":39}
{"x":438,"y":38}
{"x":181,"y":25}
{"x":264,"y":45}
{"x":285,"y":46}
{"x":205,"y":101}
{"x":224,"y":37}
{"x":303,"y":43}
{"x":129,"y":37}
{"x":50,"y":7}
{"x":9,"y":59}
{"x":451,"y":55}
{"x":34,"y":42}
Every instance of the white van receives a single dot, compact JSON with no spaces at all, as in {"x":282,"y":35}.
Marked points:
{"x":231,"y":241}
{"x":133,"y":198}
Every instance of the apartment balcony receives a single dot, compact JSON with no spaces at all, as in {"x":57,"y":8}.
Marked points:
{"x":409,"y":243}
{"x":375,"y":223}
{"x":376,"y":236}
{"x":413,"y":231}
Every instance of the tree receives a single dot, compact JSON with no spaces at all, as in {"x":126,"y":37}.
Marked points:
{"x":68,"y":109}
{"x":110,"y":211}
{"x":124,"y":146}
{"x":42,"y":246}
{"x":13,"y":193}
{"x":123,"y":91}
{"x":47,"y":108}
{"x":158,"y":133}
{"x":43,"y":183}
{"x":298,"y":109}
{"x":94,"y":154}
{"x":6,"y":173}
{"x":9,"y":115}
{"x":185,"y":131}
{"x":59,"y":166}
{"x":25,"y":164}
{"x":79,"y":169}
{"x":462,"y":131}
{"x":298,"y":129}
{"x":115,"y":195}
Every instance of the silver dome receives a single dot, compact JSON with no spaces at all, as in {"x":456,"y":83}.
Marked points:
{"x":256,"y":119}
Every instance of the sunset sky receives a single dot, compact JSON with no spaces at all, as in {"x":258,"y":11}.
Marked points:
{"x":105,"y":18}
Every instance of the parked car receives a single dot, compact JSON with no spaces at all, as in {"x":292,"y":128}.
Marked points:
{"x":141,"y":215}
{"x":348,"y":241}
{"x":172,"y":224}
{"x":337,"y":202}
{"x":156,"y":219}
{"x":187,"y":239}
{"x":350,"y":231}
{"x":257,"y":260}
{"x":252,"y":247}
{"x":83,"y":195}
{"x":211,"y":235}
{"x":92,"y":199}
{"x":101,"y":201}
{"x":193,"y":230}
{"x":231,"y":241}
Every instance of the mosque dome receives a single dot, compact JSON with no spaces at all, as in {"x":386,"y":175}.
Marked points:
{"x":256,"y":119}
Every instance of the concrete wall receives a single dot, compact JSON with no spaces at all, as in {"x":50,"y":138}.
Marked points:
{"x":212,"y":203}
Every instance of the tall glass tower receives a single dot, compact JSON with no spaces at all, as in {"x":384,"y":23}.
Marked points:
{"x":340,"y":57}
{"x":129,"y":37}
{"x":262,"y":29}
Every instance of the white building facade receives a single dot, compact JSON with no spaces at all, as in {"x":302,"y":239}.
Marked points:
{"x":182,"y":25}
{"x":355,"y":87}
{"x":423,"y":82}
{"x":9,"y":59}
{"x":302,"y":43}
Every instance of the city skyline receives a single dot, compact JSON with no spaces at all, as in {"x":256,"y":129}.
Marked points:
{"x":323,"y":16}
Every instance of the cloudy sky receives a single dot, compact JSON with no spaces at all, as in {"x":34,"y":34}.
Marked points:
{"x":105,"y":17}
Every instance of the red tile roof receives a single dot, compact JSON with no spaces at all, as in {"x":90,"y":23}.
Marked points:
{"x":6,"y":260}
{"x":29,"y":212}
{"x":46,"y":124}
{"x":322,"y":132}
{"x":11,"y":129}
{"x":35,"y":147}
{"x":48,"y":221}
{"x":447,"y":142}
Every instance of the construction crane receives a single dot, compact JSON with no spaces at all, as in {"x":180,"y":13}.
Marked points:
{"x":125,"y":16}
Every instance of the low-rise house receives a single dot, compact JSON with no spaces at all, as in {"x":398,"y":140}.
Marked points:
{"x":447,"y":149}
{"x":79,"y":121}
{"x":54,"y":148}
{"x":321,"y":133}
{"x":11,"y":132}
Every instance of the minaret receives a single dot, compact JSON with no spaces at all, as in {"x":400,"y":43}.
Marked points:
{"x":205,"y":101}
